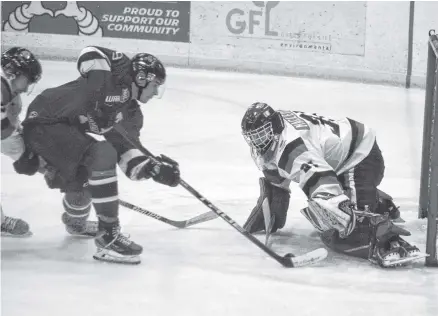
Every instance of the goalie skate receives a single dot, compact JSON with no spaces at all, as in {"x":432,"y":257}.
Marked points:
{"x":395,"y":251}
{"x":398,"y":261}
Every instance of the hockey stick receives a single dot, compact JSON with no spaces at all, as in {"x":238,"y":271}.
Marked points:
{"x":288,"y":260}
{"x":179,"y":224}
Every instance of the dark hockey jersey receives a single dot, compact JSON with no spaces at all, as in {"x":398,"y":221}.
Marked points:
{"x":102,"y":91}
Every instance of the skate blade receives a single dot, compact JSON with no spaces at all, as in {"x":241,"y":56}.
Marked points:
{"x":83,"y":235}
{"x":404,"y":260}
{"x":9,"y":235}
{"x":113,"y":257}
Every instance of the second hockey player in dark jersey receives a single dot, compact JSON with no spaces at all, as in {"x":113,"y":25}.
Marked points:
{"x":56,"y":127}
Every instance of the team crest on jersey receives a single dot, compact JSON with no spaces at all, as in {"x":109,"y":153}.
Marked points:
{"x":118,"y":98}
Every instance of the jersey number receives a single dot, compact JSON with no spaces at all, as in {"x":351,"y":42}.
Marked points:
{"x":116,"y":56}
{"x":320,"y":120}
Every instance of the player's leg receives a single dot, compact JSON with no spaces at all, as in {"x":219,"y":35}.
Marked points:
{"x":77,"y":207}
{"x":76,"y":155}
{"x":13,"y":147}
{"x":76,"y":200}
{"x":375,"y":236}
{"x":272,"y":204}
{"x":101,"y":161}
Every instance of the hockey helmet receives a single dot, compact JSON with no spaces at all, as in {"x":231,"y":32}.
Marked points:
{"x":145,"y":68}
{"x":20,"y":61}
{"x":260,"y":125}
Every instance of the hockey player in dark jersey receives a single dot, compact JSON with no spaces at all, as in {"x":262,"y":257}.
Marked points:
{"x":108,"y":92}
{"x":20,"y":69}
{"x":338,"y":165}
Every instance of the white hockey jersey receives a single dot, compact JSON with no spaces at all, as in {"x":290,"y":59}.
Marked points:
{"x":314,"y":150}
{"x":12,"y":142}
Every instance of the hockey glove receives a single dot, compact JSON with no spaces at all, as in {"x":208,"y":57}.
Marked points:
{"x":103,"y":119}
{"x":27,"y":164}
{"x":278,"y":201}
{"x":163,"y":170}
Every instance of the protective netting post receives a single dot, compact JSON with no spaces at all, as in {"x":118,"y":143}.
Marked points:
{"x":429,"y":167}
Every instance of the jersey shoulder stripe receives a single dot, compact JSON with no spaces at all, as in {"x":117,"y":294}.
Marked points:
{"x":91,"y":58}
{"x":357,"y":134}
{"x":291,"y":152}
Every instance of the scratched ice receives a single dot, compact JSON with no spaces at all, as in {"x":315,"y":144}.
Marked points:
{"x":210,"y":269}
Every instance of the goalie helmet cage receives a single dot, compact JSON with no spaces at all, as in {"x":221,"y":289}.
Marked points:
{"x":428,"y":204}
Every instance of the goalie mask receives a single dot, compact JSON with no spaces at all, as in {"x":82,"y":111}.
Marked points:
{"x":261,"y":125}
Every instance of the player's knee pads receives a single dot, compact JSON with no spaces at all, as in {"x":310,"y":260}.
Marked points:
{"x":101,"y":156}
{"x":77,"y":204}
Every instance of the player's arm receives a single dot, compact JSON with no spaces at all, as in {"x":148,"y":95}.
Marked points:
{"x":132,"y":161}
{"x":94,"y":65}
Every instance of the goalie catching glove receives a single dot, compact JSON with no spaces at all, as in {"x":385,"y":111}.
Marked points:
{"x":274,"y":203}
{"x":327,"y":211}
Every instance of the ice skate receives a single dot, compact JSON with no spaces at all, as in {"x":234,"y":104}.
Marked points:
{"x":15,"y":227}
{"x":80,"y":226}
{"x":387,"y":248}
{"x":112,"y":246}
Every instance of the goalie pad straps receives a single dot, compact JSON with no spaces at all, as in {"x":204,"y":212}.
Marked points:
{"x":332,"y":213}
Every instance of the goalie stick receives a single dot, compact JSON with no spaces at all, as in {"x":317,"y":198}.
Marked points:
{"x":288,"y":260}
{"x":179,"y":224}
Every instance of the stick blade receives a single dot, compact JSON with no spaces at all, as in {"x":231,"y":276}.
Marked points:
{"x":309,"y":258}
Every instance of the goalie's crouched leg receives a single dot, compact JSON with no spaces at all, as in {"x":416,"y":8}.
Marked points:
{"x":274,"y":203}
{"x":357,"y":244}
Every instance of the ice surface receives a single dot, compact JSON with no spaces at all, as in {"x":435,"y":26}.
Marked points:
{"x":210,"y":269}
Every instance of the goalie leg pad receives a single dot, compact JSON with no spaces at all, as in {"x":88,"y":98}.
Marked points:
{"x":255,"y":222}
{"x":273,"y":203}
{"x":279,"y":206}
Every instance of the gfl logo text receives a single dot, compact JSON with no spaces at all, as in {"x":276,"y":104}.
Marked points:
{"x":238,"y":21}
